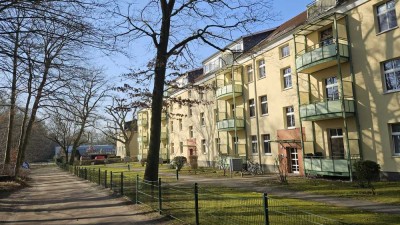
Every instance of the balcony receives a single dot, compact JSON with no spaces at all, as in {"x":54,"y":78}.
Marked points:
{"x":318,"y":7}
{"x":142,"y":122}
{"x":326,"y":110}
{"x":143,"y":139}
{"x":326,"y":167}
{"x":322,"y":56}
{"x":229,"y":91}
{"x":232,"y":121}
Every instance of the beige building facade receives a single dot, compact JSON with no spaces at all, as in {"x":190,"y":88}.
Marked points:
{"x":316,"y":94}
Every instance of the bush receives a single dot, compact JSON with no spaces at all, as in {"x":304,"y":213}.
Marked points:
{"x":365,"y":172}
{"x":178,"y":162}
{"x":143,"y":161}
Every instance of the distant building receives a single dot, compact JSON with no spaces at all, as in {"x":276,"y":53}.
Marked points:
{"x":133,"y":144}
{"x":89,"y":150}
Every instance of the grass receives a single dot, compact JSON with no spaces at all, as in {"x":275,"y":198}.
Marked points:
{"x":245,"y":207}
{"x":8,"y":187}
{"x":386,"y":192}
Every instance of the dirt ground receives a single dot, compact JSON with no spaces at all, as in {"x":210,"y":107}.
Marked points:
{"x":56,"y":197}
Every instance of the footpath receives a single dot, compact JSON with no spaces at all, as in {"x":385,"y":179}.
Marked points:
{"x":57,"y":197}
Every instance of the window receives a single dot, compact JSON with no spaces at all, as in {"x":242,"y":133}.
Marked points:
{"x":287,"y":78}
{"x":391,"y":71}
{"x":290,"y":117}
{"x":326,"y":37}
{"x":261,"y":69}
{"x":285,"y":51}
{"x":249,"y":70}
{"x":386,"y":14}
{"x":172,"y":148}
{"x":235,"y":143}
{"x":396,"y":138}
{"x":331,"y":87}
{"x":190,"y":111}
{"x":180,"y":124}
{"x":191,"y":131}
{"x":264,"y":105}
{"x":201,"y":95}
{"x":254,"y":144}
{"x":217,"y":144}
{"x":202,"y":120}
{"x":203,"y":146}
{"x":336,"y":143}
{"x":180,"y":102}
{"x":215,"y":115}
{"x":252,"y":108}
{"x":266,"y":144}
{"x":172,"y":126}
{"x":181,"y":147}
{"x":190,"y":93}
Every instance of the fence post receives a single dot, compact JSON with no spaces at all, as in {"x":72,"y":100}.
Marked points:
{"x":105,"y":179}
{"x":85,"y":173}
{"x":122,"y":183}
{"x":99,"y":176}
{"x":137,"y":189}
{"x":266,"y":216}
{"x":196,"y":203}
{"x":111,"y":180}
{"x":159,"y":196}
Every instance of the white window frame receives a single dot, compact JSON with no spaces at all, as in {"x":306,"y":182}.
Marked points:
{"x":329,"y":86}
{"x":252,"y":108}
{"x":285,"y":53}
{"x":261,"y":69}
{"x":181,"y":147}
{"x":292,"y":123}
{"x":287,"y":76}
{"x":249,"y":69}
{"x":202,"y":119}
{"x":393,"y":136}
{"x":267,"y":140}
{"x":203,"y":146}
{"x":191,"y":132}
{"x":386,"y":14}
{"x":264,"y":102}
{"x":254,"y":147}
{"x":394,"y":72}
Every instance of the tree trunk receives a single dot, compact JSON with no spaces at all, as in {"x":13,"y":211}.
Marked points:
{"x":127,"y":149}
{"x":151,"y":172}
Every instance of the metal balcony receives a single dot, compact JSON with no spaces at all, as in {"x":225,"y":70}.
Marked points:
{"x":327,"y":167}
{"x":230,"y":124}
{"x":229,"y":91}
{"x":321,"y":56}
{"x":326,"y":110}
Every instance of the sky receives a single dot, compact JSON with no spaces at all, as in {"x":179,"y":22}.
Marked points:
{"x":116,"y":65}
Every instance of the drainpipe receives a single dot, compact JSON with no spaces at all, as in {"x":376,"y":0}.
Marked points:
{"x":256,"y":111}
{"x":299,"y":102}
{"x":342,"y":99}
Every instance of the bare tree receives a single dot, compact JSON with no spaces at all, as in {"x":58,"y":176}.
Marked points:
{"x":118,"y":128}
{"x":172,"y":27}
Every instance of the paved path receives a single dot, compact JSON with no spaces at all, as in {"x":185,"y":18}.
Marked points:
{"x":250,"y":183}
{"x":56,"y":197}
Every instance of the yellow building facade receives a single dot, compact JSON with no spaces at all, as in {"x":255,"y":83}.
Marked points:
{"x":316,"y":94}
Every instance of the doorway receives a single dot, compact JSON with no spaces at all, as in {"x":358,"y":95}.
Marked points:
{"x":293,"y":159}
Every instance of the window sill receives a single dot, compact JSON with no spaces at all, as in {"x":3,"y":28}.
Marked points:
{"x":262,"y":115}
{"x":291,"y":128}
{"x":250,"y":82}
{"x":391,"y":91}
{"x":288,"y":88}
{"x":395,"y":156}
{"x":282,"y":57}
{"x":385,"y":31}
{"x":260,"y":78}
{"x":252,"y":117}
{"x":267,"y":154}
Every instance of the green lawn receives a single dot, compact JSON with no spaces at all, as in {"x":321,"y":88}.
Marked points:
{"x":386,"y":192}
{"x":244,"y":206}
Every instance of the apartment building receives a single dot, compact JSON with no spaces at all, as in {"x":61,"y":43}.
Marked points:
{"x":315,"y":93}
{"x":133,"y":144}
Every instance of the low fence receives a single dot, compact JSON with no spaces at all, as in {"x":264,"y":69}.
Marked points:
{"x":197,"y":205}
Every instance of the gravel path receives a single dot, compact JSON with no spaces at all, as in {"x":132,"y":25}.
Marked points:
{"x":56,"y":197}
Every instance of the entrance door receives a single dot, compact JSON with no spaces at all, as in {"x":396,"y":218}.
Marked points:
{"x":294,"y":160}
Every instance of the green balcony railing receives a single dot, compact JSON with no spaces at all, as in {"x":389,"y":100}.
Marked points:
{"x":326,"y":110}
{"x":229,"y":91}
{"x":326,"y":166}
{"x":321,"y":56}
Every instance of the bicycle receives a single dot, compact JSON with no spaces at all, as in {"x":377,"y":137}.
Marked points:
{"x":253,"y":168}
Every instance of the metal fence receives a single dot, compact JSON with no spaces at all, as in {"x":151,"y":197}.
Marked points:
{"x":197,"y":205}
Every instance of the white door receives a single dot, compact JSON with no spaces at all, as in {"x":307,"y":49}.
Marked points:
{"x":294,"y":160}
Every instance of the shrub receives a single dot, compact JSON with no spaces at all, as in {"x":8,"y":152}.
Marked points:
{"x":143,"y":161}
{"x":178,"y":162}
{"x":365,"y":172}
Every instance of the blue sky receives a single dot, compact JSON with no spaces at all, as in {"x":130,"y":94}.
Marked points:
{"x":116,"y":65}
